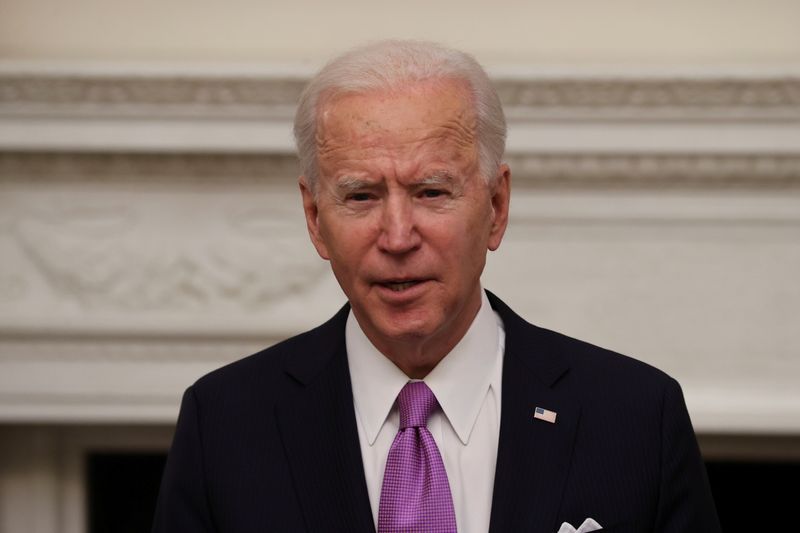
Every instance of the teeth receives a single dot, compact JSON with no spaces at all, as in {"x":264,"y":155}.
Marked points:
{"x":397,"y":287}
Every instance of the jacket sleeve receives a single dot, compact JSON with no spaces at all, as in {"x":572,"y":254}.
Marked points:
{"x":182,"y":501}
{"x":685,"y":500}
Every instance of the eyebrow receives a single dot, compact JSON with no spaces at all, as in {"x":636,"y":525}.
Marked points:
{"x":437,"y":178}
{"x":349,"y":184}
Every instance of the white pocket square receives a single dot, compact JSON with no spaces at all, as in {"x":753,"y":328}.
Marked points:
{"x":587,"y":526}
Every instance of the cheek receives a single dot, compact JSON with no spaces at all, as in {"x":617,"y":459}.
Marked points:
{"x":475,"y":228}
{"x":347,"y":245}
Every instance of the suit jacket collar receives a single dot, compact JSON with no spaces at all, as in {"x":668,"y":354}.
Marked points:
{"x":317,"y":424}
{"x":529,"y":344}
{"x":318,"y":427}
{"x":323,"y":343}
{"x":533,"y":455}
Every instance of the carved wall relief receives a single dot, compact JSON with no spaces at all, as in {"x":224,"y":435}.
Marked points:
{"x":127,"y":257}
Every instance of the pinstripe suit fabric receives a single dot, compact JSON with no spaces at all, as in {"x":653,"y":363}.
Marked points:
{"x":269,"y":443}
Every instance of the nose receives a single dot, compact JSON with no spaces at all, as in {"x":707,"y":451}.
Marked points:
{"x":399,"y":233}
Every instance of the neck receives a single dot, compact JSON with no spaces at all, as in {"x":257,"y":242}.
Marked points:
{"x":417,"y":360}
{"x":417,"y":356}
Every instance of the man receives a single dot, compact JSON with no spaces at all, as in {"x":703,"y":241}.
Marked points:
{"x":425,"y":404}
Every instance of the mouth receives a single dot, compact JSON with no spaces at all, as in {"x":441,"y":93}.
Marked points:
{"x":400,"y":286}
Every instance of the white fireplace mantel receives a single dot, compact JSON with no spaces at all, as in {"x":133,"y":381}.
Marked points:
{"x":150,"y":231}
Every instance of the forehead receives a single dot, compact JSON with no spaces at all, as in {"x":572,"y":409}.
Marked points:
{"x":435,"y":115}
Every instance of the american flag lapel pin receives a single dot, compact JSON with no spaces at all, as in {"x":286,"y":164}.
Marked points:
{"x":545,"y":414}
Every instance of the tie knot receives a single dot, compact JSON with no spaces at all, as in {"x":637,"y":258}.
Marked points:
{"x":416,"y":401}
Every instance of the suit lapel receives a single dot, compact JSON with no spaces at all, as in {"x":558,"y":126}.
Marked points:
{"x":318,"y":429}
{"x":534,"y":456}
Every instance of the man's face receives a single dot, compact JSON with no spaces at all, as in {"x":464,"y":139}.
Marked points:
{"x":402,"y":212}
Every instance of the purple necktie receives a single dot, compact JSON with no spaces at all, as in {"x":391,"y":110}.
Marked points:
{"x":415,"y":497}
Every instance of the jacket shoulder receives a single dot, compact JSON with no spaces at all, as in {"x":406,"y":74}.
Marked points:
{"x":262,"y":369}
{"x":604,"y":363}
{"x":550,"y":351}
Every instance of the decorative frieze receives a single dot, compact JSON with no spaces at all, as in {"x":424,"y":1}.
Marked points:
{"x":655,"y":171}
{"x":218,"y":111}
{"x":537,"y":170}
{"x":261,"y":97}
{"x":659,"y":96}
{"x":181,"y":169}
{"x":272,"y":95}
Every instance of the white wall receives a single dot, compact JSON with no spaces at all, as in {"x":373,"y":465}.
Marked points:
{"x":500,"y":32}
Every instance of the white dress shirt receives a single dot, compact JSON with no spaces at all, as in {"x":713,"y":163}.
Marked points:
{"x":466,"y":428}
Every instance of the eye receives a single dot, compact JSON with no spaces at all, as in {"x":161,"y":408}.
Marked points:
{"x":359,"y":196}
{"x":433,"y":193}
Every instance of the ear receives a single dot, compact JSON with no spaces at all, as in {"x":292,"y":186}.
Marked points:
{"x":311,"y":211}
{"x":501,"y":197}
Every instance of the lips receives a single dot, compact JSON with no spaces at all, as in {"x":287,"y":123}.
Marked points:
{"x":400,"y":286}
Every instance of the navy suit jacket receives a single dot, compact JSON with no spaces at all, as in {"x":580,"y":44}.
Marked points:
{"x":269,"y":443}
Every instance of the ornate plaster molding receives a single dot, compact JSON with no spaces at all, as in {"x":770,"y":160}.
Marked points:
{"x":659,"y":171}
{"x":261,"y":97}
{"x":648,"y":97}
{"x":272,"y":95}
{"x":128,"y":348}
{"x":112,"y":256}
{"x":539,"y":170}
{"x":178,"y":168}
{"x":250,"y":112}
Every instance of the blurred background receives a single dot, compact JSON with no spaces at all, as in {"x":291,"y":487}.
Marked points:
{"x":151,"y":230}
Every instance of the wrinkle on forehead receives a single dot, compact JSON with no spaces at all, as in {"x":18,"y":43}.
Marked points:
{"x":391,"y":124}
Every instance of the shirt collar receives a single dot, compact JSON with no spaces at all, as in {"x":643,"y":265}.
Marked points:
{"x":460,"y":381}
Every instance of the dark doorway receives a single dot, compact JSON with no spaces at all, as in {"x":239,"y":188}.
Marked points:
{"x":750,"y":495}
{"x":122,"y":491}
{"x":755,"y":496}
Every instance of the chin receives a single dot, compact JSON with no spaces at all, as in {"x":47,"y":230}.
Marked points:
{"x":407,"y":328}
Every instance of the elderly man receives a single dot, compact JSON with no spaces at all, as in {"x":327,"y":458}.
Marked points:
{"x":425,"y":404}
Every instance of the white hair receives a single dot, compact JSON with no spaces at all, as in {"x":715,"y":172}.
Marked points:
{"x":388,"y":65}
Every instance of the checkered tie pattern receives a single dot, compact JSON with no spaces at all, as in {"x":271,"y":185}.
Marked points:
{"x":415,"y":497}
